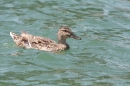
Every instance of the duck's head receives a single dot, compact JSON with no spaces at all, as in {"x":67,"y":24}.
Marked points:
{"x":64,"y":33}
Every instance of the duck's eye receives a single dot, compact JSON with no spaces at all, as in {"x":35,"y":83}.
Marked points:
{"x":65,"y":30}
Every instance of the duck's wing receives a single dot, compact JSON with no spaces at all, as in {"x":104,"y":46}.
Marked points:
{"x":46,"y":44}
{"x":19,"y":40}
{"x":38,"y":42}
{"x":41,"y":43}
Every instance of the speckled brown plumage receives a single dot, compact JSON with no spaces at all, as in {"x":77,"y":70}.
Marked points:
{"x":41,"y":43}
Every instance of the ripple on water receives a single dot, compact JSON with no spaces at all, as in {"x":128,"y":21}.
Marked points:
{"x":100,"y":58}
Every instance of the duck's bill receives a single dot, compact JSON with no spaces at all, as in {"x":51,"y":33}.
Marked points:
{"x":75,"y":37}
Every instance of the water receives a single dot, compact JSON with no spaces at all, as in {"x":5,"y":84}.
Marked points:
{"x":101,"y":58}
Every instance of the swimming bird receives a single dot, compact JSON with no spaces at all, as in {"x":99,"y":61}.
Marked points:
{"x":42,"y":43}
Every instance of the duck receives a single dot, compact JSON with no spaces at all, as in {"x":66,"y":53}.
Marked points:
{"x":26,"y":40}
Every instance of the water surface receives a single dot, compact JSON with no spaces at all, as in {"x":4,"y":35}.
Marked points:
{"x":101,"y":58}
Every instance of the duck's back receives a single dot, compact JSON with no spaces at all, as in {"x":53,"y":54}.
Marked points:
{"x":36,"y":42}
{"x":43,"y":43}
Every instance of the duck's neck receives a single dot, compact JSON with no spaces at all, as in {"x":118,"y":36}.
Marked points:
{"x":63,"y":41}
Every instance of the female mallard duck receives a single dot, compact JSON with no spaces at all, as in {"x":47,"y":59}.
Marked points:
{"x":41,"y":43}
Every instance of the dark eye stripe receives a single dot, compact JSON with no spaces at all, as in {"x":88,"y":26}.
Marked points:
{"x":67,"y":31}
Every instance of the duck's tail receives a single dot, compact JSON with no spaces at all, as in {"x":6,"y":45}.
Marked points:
{"x":15,"y":37}
{"x":20,"y":41}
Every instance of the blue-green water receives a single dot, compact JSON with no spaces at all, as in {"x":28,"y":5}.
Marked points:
{"x":101,"y":58}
